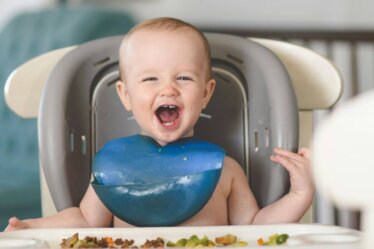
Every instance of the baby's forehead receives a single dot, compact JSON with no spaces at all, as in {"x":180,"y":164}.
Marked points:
{"x":150,"y":39}
{"x":150,"y":34}
{"x":151,"y":42}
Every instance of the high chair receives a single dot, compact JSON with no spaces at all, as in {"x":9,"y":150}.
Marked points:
{"x":265,"y":96}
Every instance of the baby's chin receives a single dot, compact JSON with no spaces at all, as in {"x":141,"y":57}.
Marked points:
{"x":164,"y":139}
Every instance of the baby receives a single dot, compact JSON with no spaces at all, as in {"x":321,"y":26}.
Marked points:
{"x":166,"y":61}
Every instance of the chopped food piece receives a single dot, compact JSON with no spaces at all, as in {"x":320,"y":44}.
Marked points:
{"x":109,"y":241}
{"x":282,"y":239}
{"x":226,"y":240}
{"x":205,"y":241}
{"x":241,"y":243}
{"x":70,"y":242}
{"x":193,"y":241}
{"x":181,"y":243}
{"x":124,"y":243}
{"x":156,"y":243}
{"x":274,"y":239}
{"x":171,"y":244}
{"x":102,"y":243}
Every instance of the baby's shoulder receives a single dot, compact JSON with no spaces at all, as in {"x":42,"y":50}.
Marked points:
{"x":231,"y":166}
{"x":232,"y":172}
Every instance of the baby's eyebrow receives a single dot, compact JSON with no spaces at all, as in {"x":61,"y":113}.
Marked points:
{"x":191,"y":71}
{"x":146,"y":73}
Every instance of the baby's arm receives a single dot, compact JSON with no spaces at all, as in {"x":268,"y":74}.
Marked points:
{"x":242,"y":206}
{"x":241,"y":202}
{"x":293,"y":205}
{"x":90,"y":213}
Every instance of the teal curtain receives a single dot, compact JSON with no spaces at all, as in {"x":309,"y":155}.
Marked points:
{"x":26,"y":36}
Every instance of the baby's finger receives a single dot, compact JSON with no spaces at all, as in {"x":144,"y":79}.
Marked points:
{"x":285,"y":162}
{"x":305,"y":152}
{"x":15,"y":224}
{"x":10,"y":226}
{"x":289,"y":154}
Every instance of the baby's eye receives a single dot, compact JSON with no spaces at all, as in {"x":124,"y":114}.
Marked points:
{"x":149,"y":79}
{"x":184,"y":78}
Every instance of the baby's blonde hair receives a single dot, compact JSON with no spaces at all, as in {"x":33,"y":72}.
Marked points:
{"x":166,"y":23}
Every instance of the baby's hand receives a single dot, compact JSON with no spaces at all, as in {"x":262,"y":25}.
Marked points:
{"x":16,"y":224}
{"x":299,"y":167}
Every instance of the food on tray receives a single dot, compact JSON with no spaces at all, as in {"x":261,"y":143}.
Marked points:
{"x":193,"y":241}
{"x":226,"y":240}
{"x":229,"y":240}
{"x":156,"y":243}
{"x":107,"y":242}
{"x":274,"y":239}
{"x":70,"y":242}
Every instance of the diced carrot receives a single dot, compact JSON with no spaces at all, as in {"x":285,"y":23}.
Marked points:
{"x":109,"y":240}
{"x":260,"y":241}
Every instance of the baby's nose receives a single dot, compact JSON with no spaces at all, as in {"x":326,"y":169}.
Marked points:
{"x":169,"y":90}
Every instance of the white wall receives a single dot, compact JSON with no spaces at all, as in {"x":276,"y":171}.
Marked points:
{"x":235,"y":14}
{"x":262,"y":14}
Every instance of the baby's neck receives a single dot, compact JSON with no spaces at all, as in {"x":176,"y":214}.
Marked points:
{"x":163,"y":143}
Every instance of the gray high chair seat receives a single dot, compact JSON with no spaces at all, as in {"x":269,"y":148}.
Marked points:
{"x":262,"y":88}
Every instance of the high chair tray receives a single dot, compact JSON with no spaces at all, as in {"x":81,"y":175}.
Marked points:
{"x":301,"y":235}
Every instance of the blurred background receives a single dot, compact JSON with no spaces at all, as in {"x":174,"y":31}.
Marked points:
{"x":341,"y":30}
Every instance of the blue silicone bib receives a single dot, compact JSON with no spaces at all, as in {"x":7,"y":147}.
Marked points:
{"x":146,"y":184}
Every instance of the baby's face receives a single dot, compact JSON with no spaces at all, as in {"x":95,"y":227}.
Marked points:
{"x":166,"y":83}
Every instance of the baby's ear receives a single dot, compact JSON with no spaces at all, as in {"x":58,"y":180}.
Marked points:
{"x":208,"y":91}
{"x":123,"y":94}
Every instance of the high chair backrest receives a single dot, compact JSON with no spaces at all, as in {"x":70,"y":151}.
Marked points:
{"x":254,"y":108}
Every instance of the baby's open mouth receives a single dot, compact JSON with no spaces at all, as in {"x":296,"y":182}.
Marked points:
{"x":167,"y":114}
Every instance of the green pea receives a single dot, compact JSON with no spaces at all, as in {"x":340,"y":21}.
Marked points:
{"x":192,"y":241}
{"x":204,"y":241}
{"x":170,"y":244}
{"x":181,"y":243}
{"x":281,"y":239}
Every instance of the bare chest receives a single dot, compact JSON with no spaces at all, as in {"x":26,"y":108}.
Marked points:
{"x":214,"y":213}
